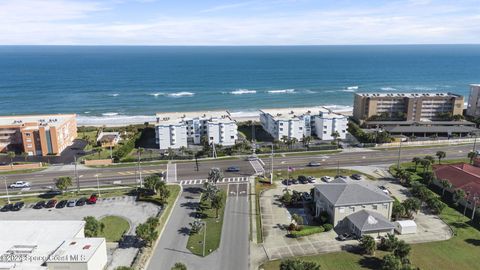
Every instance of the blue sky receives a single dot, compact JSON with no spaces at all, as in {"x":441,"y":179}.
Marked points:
{"x":261,"y":22}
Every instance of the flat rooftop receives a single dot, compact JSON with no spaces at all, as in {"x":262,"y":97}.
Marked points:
{"x":175,"y":117}
{"x":407,"y":95}
{"x":290,"y":113}
{"x":45,"y":119}
{"x":77,"y":250}
{"x":36,"y":239}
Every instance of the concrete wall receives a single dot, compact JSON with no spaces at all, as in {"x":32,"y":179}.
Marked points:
{"x":27,"y":166}
{"x":97,"y":162}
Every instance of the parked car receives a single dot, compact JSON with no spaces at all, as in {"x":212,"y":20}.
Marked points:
{"x":385,"y":190}
{"x":81,"y":202}
{"x":356,"y":176}
{"x":61,"y":204}
{"x":18,"y":206}
{"x":306,"y":196}
{"x":311,"y":179}
{"x":340,"y":176}
{"x":7,"y":207}
{"x":233,"y":169}
{"x":326,"y":179}
{"x":313,"y":164}
{"x":20,"y":184}
{"x":92,"y":199}
{"x":39,"y":205}
{"x":346,"y":236}
{"x":286,"y":182}
{"x":294,"y":181}
{"x":71,"y":203}
{"x":51,"y":204}
{"x":302,"y":179}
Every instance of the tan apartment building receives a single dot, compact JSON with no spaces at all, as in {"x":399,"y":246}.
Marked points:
{"x":413,"y":106}
{"x":38,"y":135}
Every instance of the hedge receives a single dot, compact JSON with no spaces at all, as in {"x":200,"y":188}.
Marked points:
{"x":307,"y":230}
{"x":327,"y":227}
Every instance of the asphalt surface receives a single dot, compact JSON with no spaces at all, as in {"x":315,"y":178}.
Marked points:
{"x":188,"y":170}
{"x":234,"y":244}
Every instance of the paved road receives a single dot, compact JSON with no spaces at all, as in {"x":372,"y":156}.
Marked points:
{"x":188,"y":170}
{"x":234,"y":244}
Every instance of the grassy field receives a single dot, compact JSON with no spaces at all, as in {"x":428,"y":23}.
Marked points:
{"x":460,"y":252}
{"x":23,"y":171}
{"x":114,"y":228}
{"x":213,"y":234}
{"x":317,"y":173}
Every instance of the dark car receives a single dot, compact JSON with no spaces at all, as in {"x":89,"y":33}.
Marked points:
{"x":313,"y":164}
{"x":341,"y":176}
{"x":233,"y":169}
{"x":92,"y":199}
{"x":6,"y":208}
{"x":39,"y":205}
{"x":303,"y":179}
{"x":356,"y":176}
{"x":306,"y":196}
{"x":286,"y":182}
{"x":294,"y":181}
{"x":51,"y":204}
{"x":346,"y":236}
{"x":81,"y":202}
{"x":61,"y":204}
{"x":18,"y":206}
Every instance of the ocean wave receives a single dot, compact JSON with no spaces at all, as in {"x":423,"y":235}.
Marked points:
{"x":388,"y":89}
{"x":348,"y":90}
{"x":281,"y":91}
{"x":308,"y":91}
{"x":330,"y":91}
{"x":339,"y":108}
{"x":110,"y":114}
{"x":157,"y":94}
{"x":243,"y":91}
{"x":355,"y":87}
{"x":113,"y":95}
{"x":181,"y":94}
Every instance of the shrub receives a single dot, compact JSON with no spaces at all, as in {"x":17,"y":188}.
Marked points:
{"x":296,"y":264}
{"x":307,"y":230}
{"x":324,"y":217}
{"x":327,"y":227}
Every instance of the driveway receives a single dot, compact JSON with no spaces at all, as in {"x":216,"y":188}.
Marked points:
{"x":234,"y":245}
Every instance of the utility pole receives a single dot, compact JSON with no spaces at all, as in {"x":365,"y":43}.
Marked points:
{"x":6,"y":188}
{"x":474,"y":143}
{"x":271,"y":168}
{"x":76,"y":173}
{"x":98,"y":185}
{"x":139,"y":173}
{"x":399,"y":153}
{"x":204,"y":237}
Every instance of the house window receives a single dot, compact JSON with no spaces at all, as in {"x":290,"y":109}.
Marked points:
{"x":385,"y":205}
{"x":281,"y":129}
{"x":27,"y":134}
{"x":341,"y":209}
{"x":374,"y":207}
{"x":352,"y":208}
{"x":232,"y":137}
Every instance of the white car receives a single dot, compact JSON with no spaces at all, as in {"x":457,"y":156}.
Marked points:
{"x":252,"y":158}
{"x":326,"y":179}
{"x":20,"y":184}
{"x":385,"y":190}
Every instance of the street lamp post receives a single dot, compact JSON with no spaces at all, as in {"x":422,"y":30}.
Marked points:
{"x":204,"y":237}
{"x":98,"y":185}
{"x":6,"y":188}
{"x":399,"y":153}
{"x":76,"y":173}
{"x":271,"y":168}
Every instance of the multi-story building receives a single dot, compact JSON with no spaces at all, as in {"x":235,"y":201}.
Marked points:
{"x":407,"y":106}
{"x":303,"y":123}
{"x":38,"y":135}
{"x":174,"y":130}
{"x":473,"y":107}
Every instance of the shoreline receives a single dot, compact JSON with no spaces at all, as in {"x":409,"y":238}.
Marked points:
{"x":119,"y":120}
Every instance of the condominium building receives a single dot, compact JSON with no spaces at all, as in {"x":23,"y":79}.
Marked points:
{"x":407,"y":106}
{"x":302,"y":123}
{"x":37,"y":135}
{"x":473,"y":107}
{"x":175,"y":130}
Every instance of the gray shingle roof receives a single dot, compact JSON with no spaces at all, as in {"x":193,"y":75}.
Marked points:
{"x":367,"y":221}
{"x":351,"y":193}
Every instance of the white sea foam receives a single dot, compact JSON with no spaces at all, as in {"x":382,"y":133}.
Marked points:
{"x":355,"y":87}
{"x":339,"y":108}
{"x":114,"y":95}
{"x":181,"y":94}
{"x":87,"y":112}
{"x":308,"y":91}
{"x":110,"y":114}
{"x":281,"y":91}
{"x":388,"y":88}
{"x":243,"y":91}
{"x":157,"y":94}
{"x":348,"y":90}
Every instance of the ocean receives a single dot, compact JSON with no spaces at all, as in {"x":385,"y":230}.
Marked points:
{"x":115,"y":82}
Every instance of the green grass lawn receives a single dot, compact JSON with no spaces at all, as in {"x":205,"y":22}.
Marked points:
{"x":174,"y":192}
{"x":23,"y":171}
{"x":213,"y":234}
{"x":317,"y":173}
{"x":460,"y":252}
{"x":114,"y":228}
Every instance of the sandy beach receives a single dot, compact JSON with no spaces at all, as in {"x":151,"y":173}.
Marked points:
{"x":239,"y":116}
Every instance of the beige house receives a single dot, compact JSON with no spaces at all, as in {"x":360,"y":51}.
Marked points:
{"x":357,"y":206}
{"x":108,"y":139}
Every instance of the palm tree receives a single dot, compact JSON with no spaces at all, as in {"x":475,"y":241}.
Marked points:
{"x":182,"y":150}
{"x":368,"y":244}
{"x":25,"y":156}
{"x":306,"y":140}
{"x":284,"y":139}
{"x":471,"y":156}
{"x":215,"y":175}
{"x":458,"y":195}
{"x":335,"y":136}
{"x":411,"y":205}
{"x":440,"y":155}
{"x":293,"y":141}
{"x":445,"y":184}
{"x":11,"y":156}
{"x":430,"y":158}
{"x":217,"y":202}
{"x":416,"y":160}
{"x":425,"y":164}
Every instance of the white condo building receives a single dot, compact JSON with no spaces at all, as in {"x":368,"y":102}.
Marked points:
{"x":473,"y":107}
{"x":302,"y":123}
{"x":176,"y":130}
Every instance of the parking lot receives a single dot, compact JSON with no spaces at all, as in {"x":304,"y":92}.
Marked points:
{"x":125,"y":207}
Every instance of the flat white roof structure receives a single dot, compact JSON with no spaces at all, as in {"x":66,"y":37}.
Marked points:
{"x":405,"y":226}
{"x":29,"y":244}
{"x":175,"y":117}
{"x":291,"y":113}
{"x":46,"y":119}
{"x":77,"y":250}
{"x":409,"y":95}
